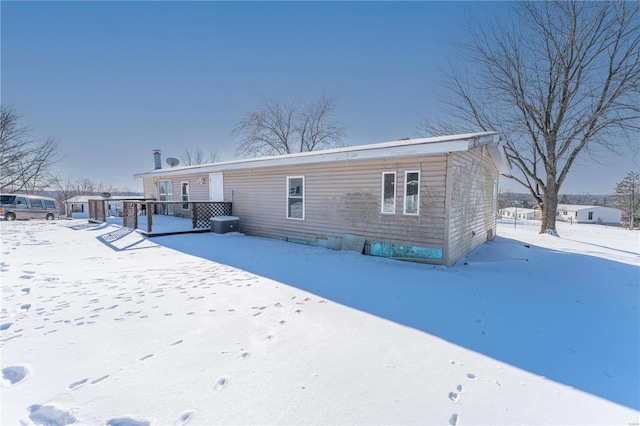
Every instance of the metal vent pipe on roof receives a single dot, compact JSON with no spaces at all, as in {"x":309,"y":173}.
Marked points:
{"x":157,"y":160}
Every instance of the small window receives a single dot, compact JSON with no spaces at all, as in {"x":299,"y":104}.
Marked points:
{"x":49,"y":205}
{"x":412,"y":193}
{"x":36,"y":204}
{"x":590,"y":215}
{"x":184,"y":191}
{"x":295,"y":197}
{"x":389,"y":192}
{"x":77,"y":208}
{"x":21,"y":202}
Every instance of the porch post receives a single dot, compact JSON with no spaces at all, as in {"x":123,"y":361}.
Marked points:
{"x":149,"y":216}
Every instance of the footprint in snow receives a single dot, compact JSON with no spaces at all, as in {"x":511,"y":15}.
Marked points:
{"x":99,"y":379}
{"x":50,"y":414}
{"x":222,"y":382}
{"x":15,"y":374}
{"x":184,"y":418}
{"x":127,"y":421}
{"x":453,"y":420}
{"x":453,"y":396}
{"x":472,"y":376}
{"x":78,"y":383}
{"x":145,"y":357}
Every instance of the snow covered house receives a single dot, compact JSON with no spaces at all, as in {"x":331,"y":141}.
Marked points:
{"x":428,"y":199}
{"x":516,"y":213}
{"x":589,"y":214}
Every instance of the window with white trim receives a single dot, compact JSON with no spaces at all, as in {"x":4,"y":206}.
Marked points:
{"x":295,"y":197}
{"x":411,"y":192}
{"x":388,"y":201}
{"x":184,"y":193}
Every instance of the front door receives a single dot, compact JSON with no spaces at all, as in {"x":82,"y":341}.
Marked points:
{"x":216,"y":187}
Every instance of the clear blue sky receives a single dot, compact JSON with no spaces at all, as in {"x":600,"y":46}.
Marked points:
{"x":111,"y":81}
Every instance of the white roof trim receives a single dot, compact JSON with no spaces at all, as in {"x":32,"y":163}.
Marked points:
{"x":580,"y":207}
{"x":404,"y":148}
{"x":87,"y":198}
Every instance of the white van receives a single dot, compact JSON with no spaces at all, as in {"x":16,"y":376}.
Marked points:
{"x":24,"y":206}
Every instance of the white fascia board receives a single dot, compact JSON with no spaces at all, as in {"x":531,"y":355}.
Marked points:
{"x":408,"y":148}
{"x":496,"y":151}
{"x":324,"y":157}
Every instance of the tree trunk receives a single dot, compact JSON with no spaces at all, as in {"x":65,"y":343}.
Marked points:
{"x":549,"y":209}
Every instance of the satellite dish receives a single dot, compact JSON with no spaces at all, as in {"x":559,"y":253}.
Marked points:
{"x":172,"y":162}
{"x":105,"y":195}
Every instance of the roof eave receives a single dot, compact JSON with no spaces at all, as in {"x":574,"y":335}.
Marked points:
{"x":422,"y":146}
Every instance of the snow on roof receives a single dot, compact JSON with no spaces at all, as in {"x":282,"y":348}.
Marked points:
{"x":399,"y":148}
{"x":86,"y":198}
{"x":519,"y":209}
{"x":579,"y":207}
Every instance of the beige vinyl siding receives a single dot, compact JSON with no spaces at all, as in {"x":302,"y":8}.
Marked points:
{"x":341,"y":198}
{"x":197,"y":191}
{"x":149,"y":189}
{"x":471,"y":214}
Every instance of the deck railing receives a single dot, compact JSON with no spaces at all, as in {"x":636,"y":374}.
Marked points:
{"x":135,"y":211}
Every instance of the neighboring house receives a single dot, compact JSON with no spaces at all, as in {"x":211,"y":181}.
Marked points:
{"x":589,"y":214}
{"x":516,"y":213}
{"x":78,"y":207}
{"x":429,"y":199}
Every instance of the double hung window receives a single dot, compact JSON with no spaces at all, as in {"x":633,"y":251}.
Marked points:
{"x":412,"y":192}
{"x":184,"y":193}
{"x":388,"y":192}
{"x":295,"y":197}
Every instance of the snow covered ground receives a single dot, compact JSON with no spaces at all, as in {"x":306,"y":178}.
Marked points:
{"x":102,"y":326}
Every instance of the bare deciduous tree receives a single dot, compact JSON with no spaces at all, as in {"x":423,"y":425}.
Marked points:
{"x":196,"y":156}
{"x":278,"y":127}
{"x":561,"y":80}
{"x":25,"y":161}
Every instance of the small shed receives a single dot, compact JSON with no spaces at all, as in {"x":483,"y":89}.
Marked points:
{"x":427,"y":199}
{"x":589,"y":214}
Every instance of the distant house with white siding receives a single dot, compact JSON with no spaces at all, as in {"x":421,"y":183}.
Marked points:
{"x":589,"y":214}
{"x":78,"y":207}
{"x":516,"y":213}
{"x":428,"y":199}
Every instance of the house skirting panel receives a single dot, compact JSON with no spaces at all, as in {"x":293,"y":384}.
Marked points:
{"x":403,"y":251}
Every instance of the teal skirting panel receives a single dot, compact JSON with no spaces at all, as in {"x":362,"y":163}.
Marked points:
{"x":403,"y":251}
{"x":302,"y":241}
